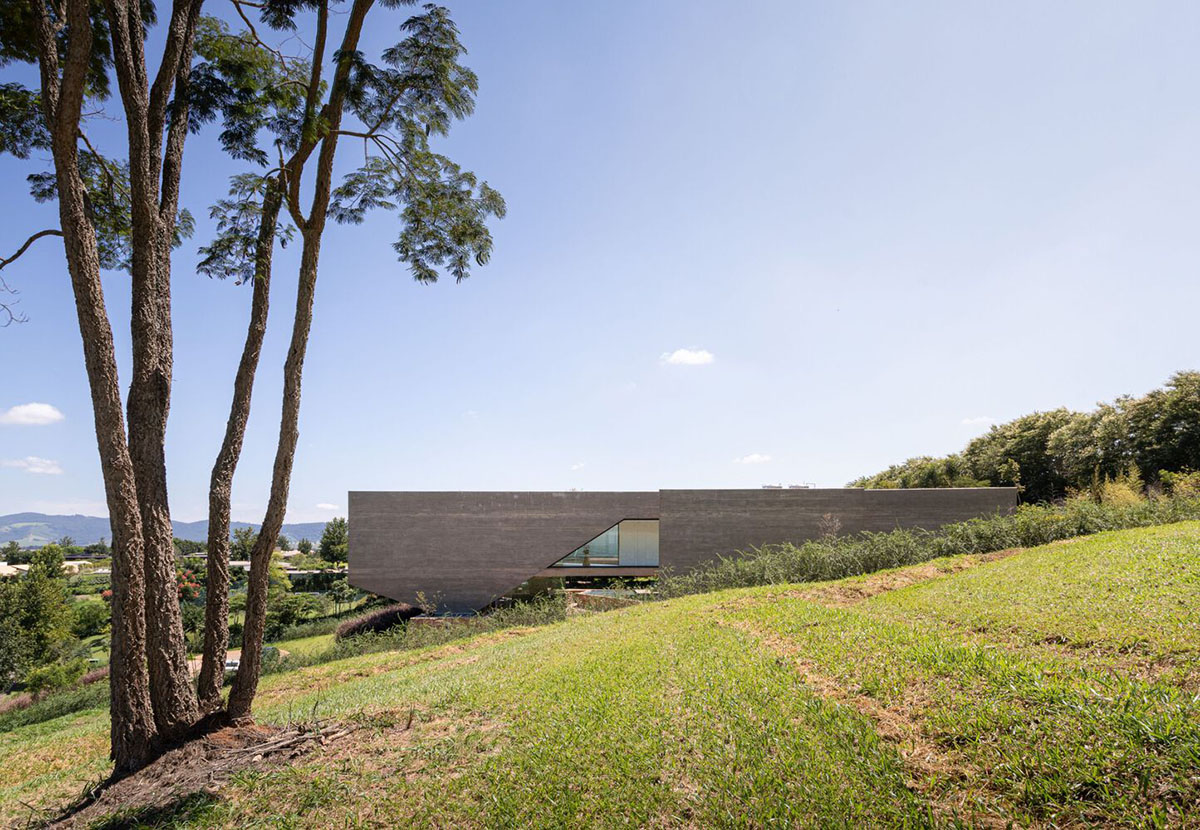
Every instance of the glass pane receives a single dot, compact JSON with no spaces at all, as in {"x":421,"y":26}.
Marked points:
{"x":632,"y":542}
{"x":639,"y":543}
{"x":599,"y":551}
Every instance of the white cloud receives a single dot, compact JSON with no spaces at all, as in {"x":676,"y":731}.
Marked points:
{"x":327,"y":506}
{"x":578,"y":465}
{"x":753,"y":458}
{"x":979,"y":421}
{"x":31,"y":415}
{"x":33,"y":464}
{"x":688,"y":357}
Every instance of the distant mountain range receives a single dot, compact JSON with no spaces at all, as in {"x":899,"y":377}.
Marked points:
{"x":31,"y":530}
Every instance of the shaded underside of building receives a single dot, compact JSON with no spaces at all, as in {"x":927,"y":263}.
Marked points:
{"x":459,"y":551}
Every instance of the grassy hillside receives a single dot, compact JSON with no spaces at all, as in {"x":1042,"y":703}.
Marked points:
{"x":1058,"y":685}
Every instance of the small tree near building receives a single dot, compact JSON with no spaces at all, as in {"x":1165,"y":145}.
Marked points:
{"x":342,"y":594}
{"x":335,"y":541}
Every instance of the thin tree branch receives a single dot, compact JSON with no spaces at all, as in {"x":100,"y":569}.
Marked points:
{"x":292,"y":196}
{"x":11,"y":316}
{"x":74,"y":76}
{"x":47,"y":61}
{"x":103,"y":162}
{"x":6,"y":260}
{"x":308,"y":132}
{"x":237,"y":6}
{"x":181,"y":28}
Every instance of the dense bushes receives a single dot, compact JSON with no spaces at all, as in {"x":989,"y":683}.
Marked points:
{"x":1050,"y":453}
{"x":377,"y":621}
{"x":861,"y":553}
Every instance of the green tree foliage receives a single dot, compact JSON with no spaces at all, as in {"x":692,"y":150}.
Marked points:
{"x":283,"y":543}
{"x":289,"y":609}
{"x":925,"y":471}
{"x":98,"y":550}
{"x":335,"y":541}
{"x":13,"y":555}
{"x":89,"y":618}
{"x":1164,"y":426}
{"x":35,"y":617}
{"x":278,"y":581}
{"x":304,"y":546}
{"x":1051,"y":453}
{"x":188,"y":547}
{"x":57,"y":675}
{"x":342,"y":593}
{"x":1016,"y":454}
{"x":244,"y":539}
{"x":193,"y":620}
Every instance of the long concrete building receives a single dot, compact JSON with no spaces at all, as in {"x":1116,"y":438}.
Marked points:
{"x":460,"y":551}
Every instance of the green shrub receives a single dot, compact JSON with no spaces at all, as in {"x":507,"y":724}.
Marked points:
{"x":89,"y":618}
{"x":838,"y":557}
{"x":1184,"y":484}
{"x":378,"y":621}
{"x":54,"y":676}
{"x":55,"y":705}
{"x":310,"y":628}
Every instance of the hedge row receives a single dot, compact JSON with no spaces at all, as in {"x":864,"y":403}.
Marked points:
{"x":377,"y":621}
{"x":838,"y":557}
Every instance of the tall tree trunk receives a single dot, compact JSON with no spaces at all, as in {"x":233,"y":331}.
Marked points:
{"x":216,"y":605}
{"x":148,"y":403}
{"x":245,"y":684}
{"x":325,"y":125}
{"x":133,"y":734}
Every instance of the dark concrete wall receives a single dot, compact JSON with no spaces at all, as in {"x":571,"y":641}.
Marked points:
{"x":466,"y":549}
{"x":698,"y":525}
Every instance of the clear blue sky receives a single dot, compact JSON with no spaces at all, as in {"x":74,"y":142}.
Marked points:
{"x":885,"y":222}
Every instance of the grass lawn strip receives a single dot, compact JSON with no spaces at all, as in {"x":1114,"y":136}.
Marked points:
{"x":1062,"y":740}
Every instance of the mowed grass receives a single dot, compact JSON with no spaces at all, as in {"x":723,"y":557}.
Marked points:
{"x":1057,"y":686}
{"x":306,"y":646}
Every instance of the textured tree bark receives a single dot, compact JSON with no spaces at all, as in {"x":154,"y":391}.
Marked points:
{"x":216,"y":604}
{"x":133,"y":734}
{"x":133,"y":729}
{"x":245,"y":683}
{"x":148,"y":403}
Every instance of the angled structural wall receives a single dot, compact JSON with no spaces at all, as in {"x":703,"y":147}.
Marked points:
{"x":462,"y":550}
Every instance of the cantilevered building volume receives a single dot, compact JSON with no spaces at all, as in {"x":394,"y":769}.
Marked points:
{"x":463,"y":550}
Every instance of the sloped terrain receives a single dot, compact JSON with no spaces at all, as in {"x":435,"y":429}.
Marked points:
{"x":1055,"y":686}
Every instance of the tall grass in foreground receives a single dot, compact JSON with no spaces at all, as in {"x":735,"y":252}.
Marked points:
{"x":842,"y":556}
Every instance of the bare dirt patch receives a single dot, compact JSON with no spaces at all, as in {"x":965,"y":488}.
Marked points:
{"x":847,"y":592}
{"x":399,"y":766}
{"x":199,"y":767}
